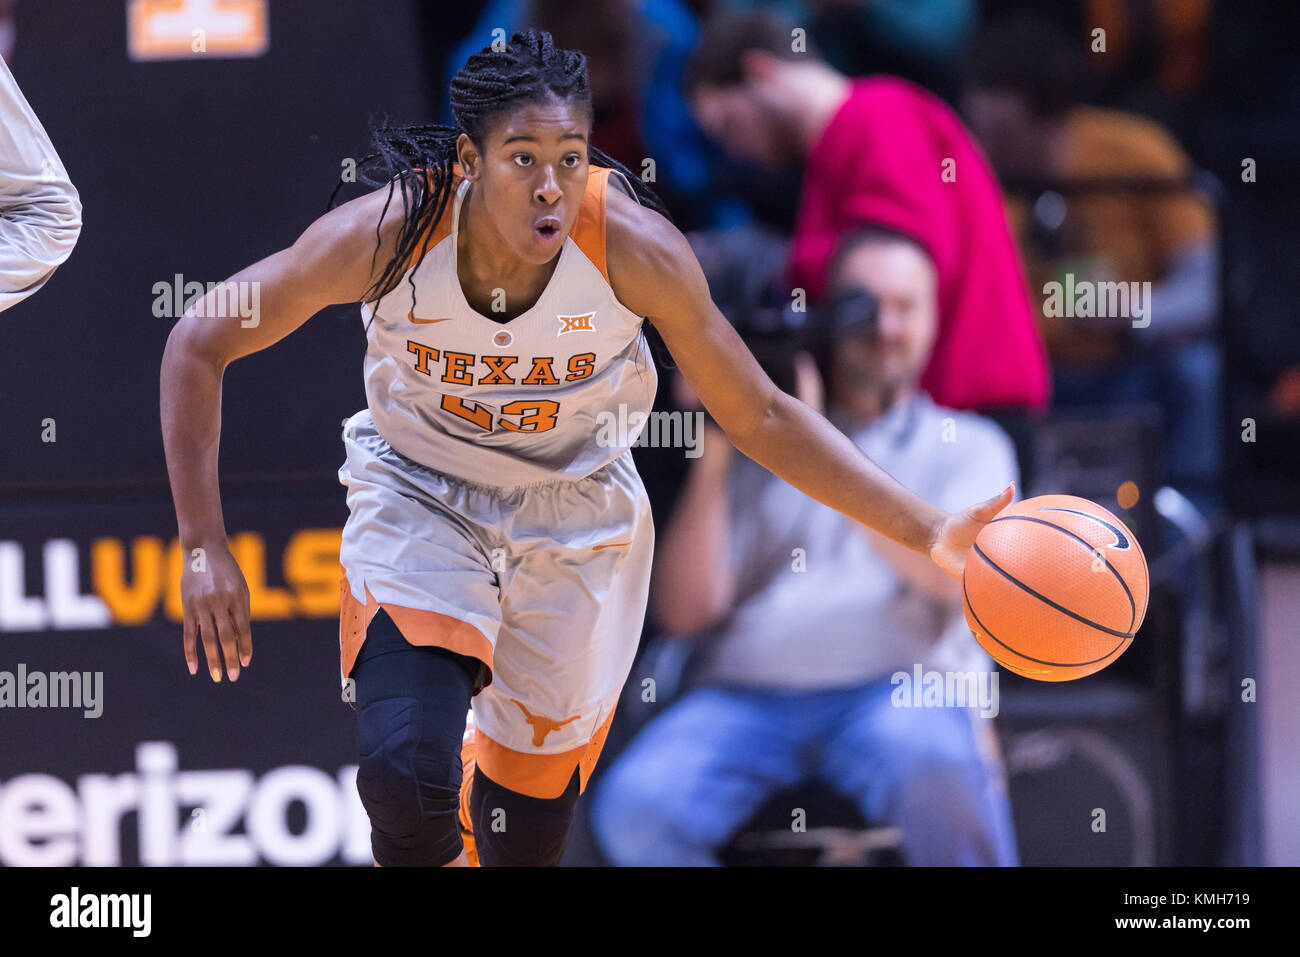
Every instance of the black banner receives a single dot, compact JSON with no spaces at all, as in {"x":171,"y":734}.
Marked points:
{"x":112,"y":753}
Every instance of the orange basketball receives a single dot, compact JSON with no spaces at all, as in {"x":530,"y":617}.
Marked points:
{"x":1055,"y":587}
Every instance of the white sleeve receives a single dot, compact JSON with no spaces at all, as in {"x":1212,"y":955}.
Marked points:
{"x":40,"y":211}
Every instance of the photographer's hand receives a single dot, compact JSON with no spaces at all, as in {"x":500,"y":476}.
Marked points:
{"x":809,"y":387}
{"x":693,"y":584}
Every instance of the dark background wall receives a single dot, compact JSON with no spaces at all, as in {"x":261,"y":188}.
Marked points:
{"x":201,"y":167}
{"x":197,"y":167}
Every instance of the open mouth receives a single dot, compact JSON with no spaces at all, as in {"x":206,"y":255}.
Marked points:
{"x":547,"y":231}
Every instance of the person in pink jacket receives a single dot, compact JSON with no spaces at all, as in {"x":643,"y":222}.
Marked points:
{"x":882,"y":151}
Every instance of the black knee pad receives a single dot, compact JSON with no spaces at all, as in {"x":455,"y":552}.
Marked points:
{"x":409,"y":780}
{"x":411,"y":704}
{"x":515,"y":830}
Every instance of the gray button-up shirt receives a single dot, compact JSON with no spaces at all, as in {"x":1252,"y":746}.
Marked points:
{"x":816,"y":606}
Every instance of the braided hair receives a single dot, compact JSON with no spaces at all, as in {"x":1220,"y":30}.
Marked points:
{"x":418,"y":160}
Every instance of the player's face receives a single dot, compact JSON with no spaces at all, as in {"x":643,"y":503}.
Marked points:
{"x":902,"y":278}
{"x":739,"y":119}
{"x":533,"y":175}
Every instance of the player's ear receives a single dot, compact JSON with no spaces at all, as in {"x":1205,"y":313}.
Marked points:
{"x":469,"y":157}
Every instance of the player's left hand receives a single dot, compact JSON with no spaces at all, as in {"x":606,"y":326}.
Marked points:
{"x":957,"y":533}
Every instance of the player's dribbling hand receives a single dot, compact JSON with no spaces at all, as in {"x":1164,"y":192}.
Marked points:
{"x":957,"y":533}
{"x":215,"y":606}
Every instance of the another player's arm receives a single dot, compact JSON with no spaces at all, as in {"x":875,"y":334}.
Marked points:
{"x":40,"y":210}
{"x":330,"y":263}
{"x":655,"y":274}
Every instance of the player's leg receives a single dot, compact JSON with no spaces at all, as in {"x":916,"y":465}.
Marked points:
{"x":419,"y":611}
{"x":469,"y":767}
{"x":573,"y":585}
{"x":934,"y":773}
{"x":411,"y":703}
{"x":518,"y":830}
{"x":695,"y":774}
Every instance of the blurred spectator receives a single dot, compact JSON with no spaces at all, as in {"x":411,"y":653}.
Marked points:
{"x":636,"y":53}
{"x":1162,"y":44}
{"x":1100,"y":196}
{"x":920,"y":40}
{"x":7,"y":30}
{"x":880,"y":150}
{"x":797,"y":656}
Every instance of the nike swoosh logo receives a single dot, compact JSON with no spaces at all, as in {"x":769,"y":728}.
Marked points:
{"x":610,"y":545}
{"x":1121,"y":540}
{"x":425,"y":322}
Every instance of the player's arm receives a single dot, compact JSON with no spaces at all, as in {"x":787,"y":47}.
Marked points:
{"x":655,"y":274}
{"x":330,"y":263}
{"x":40,"y":211}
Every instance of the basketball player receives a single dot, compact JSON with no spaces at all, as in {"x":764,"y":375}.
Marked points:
{"x":498,"y":544}
{"x":40,"y":211}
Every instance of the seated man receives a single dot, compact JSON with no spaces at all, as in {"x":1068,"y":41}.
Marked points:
{"x":803,"y":617}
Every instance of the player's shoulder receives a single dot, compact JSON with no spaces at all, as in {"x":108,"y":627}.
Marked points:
{"x":351,"y":245}
{"x":358,"y":221}
{"x":647,"y":255}
{"x":635,"y":232}
{"x":383,"y":210}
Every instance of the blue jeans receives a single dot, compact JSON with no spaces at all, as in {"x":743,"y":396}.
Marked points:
{"x":699,"y":771}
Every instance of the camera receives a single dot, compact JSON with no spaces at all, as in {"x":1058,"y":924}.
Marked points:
{"x":744,"y":267}
{"x":775,"y":334}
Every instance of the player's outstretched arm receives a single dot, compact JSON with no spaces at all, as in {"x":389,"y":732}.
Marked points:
{"x":655,"y":273}
{"x":330,"y":263}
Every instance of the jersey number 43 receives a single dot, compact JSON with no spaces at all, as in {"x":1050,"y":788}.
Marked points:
{"x":534,"y":415}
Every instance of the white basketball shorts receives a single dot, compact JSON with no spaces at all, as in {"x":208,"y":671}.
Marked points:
{"x":545,"y":584}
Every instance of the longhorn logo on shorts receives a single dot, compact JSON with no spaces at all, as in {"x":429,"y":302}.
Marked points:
{"x":576,"y":323}
{"x":542,"y":726}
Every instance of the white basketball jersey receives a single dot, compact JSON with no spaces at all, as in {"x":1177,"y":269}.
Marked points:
{"x":518,"y":402}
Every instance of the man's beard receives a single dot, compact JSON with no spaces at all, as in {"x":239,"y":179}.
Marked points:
{"x":873,"y":399}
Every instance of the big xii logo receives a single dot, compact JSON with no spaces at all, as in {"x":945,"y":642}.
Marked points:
{"x":576,"y":324}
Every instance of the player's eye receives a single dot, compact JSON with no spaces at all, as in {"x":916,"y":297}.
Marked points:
{"x":577,"y":161}
{"x":525,"y":157}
